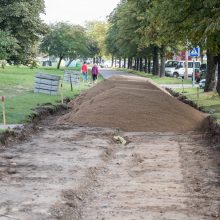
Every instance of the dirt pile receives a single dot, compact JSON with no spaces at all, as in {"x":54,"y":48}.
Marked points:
{"x":132,"y":104}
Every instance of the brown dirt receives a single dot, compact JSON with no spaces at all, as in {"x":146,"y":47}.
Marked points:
{"x":68,"y":172}
{"x":76,"y":173}
{"x":132,"y":104}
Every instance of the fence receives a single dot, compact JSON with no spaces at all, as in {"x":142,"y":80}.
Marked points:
{"x":71,"y":77}
{"x":46,"y":83}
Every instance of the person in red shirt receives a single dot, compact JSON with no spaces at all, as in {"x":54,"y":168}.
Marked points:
{"x":84,"y":71}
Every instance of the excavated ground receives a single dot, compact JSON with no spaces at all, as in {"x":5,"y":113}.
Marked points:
{"x":74,"y":172}
{"x":132,"y":104}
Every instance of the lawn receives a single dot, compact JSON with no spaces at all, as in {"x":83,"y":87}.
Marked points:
{"x":16,"y":84}
{"x":157,"y":79}
{"x":209,"y":101}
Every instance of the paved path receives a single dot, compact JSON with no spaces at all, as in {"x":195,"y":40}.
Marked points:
{"x":107,"y":73}
{"x":11,"y":126}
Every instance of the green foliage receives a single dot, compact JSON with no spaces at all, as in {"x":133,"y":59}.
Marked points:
{"x":96,"y":32}
{"x":190,"y":23}
{"x":8,"y":45}
{"x":65,"y":41}
{"x":21,"y":19}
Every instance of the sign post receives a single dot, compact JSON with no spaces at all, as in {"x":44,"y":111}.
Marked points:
{"x":195,"y":52}
{"x":3,"y":110}
{"x":186,"y":65}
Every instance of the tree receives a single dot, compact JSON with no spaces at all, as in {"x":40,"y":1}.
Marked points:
{"x":8,"y":46}
{"x":65,"y":41}
{"x":96,"y":32}
{"x":21,"y":19}
{"x":191,"y":23}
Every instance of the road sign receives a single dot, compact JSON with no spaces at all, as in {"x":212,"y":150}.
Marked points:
{"x":195,"y":52}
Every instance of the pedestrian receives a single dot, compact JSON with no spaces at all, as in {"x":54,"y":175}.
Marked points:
{"x":95,"y":72}
{"x":84,"y":71}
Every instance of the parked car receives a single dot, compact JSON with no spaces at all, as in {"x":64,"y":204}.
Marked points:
{"x":170,"y":66}
{"x":106,"y":64}
{"x":199,"y":75}
{"x":180,"y":68}
{"x":202,"y":84}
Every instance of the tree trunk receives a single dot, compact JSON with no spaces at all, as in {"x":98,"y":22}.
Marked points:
{"x":120,"y":62}
{"x":141,"y":64}
{"x":138,"y":64}
{"x":162,"y":61}
{"x":129,"y":61}
{"x":112,"y":61}
{"x":135,"y":63}
{"x":210,"y":75}
{"x":131,"y":64}
{"x":155,"y":61}
{"x":201,"y":55}
{"x":149,"y":65}
{"x":124,"y":63}
{"x":58,"y":65}
{"x":93,"y":60}
{"x":70,"y":61}
{"x":218,"y":75}
{"x":145,"y":64}
{"x":115,"y":62}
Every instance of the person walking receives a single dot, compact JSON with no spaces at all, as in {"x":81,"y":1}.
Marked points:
{"x":84,"y":71}
{"x":95,"y":72}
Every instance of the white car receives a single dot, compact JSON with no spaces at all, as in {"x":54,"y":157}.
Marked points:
{"x":106,"y":64}
{"x":170,"y":66}
{"x":202,"y":84}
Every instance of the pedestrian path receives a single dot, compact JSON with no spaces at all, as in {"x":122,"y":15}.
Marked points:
{"x":10,"y":126}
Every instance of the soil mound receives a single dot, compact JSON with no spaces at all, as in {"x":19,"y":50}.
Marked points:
{"x":132,"y":104}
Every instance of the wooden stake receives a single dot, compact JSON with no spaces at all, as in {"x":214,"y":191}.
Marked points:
{"x":3,"y":110}
{"x":61,"y":92}
{"x":71,"y":84}
{"x":197,"y":95}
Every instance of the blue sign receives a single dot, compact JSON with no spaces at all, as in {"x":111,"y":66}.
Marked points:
{"x":195,"y":52}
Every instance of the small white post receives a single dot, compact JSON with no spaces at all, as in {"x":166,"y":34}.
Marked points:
{"x":3,"y":110}
{"x":193,"y":74}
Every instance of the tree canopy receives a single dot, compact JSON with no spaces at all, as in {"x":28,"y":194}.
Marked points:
{"x":65,"y":41}
{"x":140,"y":28}
{"x":96,"y":32}
{"x":21,"y":21}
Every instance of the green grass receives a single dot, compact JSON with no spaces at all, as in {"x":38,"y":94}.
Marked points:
{"x":210,"y":102}
{"x":16,"y":84}
{"x":157,"y":79}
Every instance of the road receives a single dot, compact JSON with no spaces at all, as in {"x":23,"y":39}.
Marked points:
{"x":74,"y":172}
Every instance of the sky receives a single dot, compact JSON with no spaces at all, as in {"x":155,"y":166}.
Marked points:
{"x":77,"y":11}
